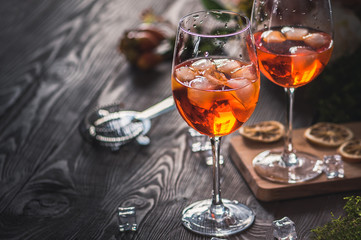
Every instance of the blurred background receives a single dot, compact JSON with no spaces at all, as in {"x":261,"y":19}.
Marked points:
{"x":333,"y":97}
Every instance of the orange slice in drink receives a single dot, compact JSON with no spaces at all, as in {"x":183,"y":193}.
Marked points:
{"x":267,"y":131}
{"x":328,"y":134}
{"x":351,"y":151}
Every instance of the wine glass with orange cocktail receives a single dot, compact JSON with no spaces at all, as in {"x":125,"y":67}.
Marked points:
{"x":215,"y":84}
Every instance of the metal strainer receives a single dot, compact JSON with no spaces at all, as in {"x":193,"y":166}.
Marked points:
{"x":111,"y":127}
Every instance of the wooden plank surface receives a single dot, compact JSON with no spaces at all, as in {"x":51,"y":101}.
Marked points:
{"x":243,"y":151}
{"x":58,"y":61}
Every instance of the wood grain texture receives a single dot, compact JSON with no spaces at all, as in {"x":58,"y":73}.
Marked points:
{"x":58,"y":61}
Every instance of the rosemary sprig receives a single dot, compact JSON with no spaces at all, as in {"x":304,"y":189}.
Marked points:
{"x":346,"y":227}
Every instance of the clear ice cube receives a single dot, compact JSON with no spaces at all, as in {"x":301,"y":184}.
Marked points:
{"x":217,"y":79}
{"x":197,"y":94}
{"x":226,"y":65}
{"x":201,"y":146}
{"x":302,"y":51}
{"x":199,"y":142}
{"x":304,"y":60}
{"x":126,"y":218}
{"x":238,"y":83}
{"x":272,"y":36}
{"x":245,"y":91}
{"x":333,"y":166}
{"x":201,"y":65}
{"x":185,"y":74}
{"x":316,"y":40}
{"x":203,"y":83}
{"x":284,"y":229}
{"x":247,"y":71}
{"x":296,"y":34}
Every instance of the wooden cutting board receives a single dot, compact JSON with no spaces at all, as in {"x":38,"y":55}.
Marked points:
{"x":242,"y":152}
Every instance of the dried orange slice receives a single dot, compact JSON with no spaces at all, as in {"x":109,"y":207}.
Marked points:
{"x":268,"y":131}
{"x":351,"y":151}
{"x":328,"y":134}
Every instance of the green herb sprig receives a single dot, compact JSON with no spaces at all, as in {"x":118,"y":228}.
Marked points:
{"x":346,"y":227}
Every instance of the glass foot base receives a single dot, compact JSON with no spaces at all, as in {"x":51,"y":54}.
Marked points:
{"x":236,"y":218}
{"x":270,"y":165}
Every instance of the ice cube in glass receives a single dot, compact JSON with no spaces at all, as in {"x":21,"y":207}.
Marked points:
{"x":295,"y":34}
{"x":201,"y":83}
{"x":301,"y":51}
{"x":273,"y":36}
{"x":245,"y":92}
{"x":184,"y":74}
{"x":305,"y":59}
{"x":227,"y":65}
{"x":202,"y":65}
{"x":198,"y":93}
{"x":247,"y":71}
{"x":216,"y":78}
{"x":316,"y":40}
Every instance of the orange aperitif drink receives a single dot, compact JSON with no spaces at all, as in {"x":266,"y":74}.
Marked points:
{"x":292,"y":56}
{"x":215,"y":96}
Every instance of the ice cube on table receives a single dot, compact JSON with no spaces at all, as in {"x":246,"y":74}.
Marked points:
{"x":126,"y":218}
{"x":316,"y":40}
{"x":201,"y":145}
{"x":284,"y":229}
{"x":333,"y":166}
{"x":272,"y":36}
{"x":247,"y":71}
{"x":184,"y":74}
{"x":227,"y":65}
{"x":199,"y":142}
{"x":201,"y":65}
{"x":296,"y":34}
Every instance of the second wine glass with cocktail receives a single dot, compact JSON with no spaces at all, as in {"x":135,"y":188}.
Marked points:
{"x":294,"y":41}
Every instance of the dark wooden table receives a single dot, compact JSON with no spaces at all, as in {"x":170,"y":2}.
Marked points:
{"x":59,"y":60}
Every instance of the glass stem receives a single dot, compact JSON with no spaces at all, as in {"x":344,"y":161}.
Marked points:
{"x":289,"y":156}
{"x":217,"y":208}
